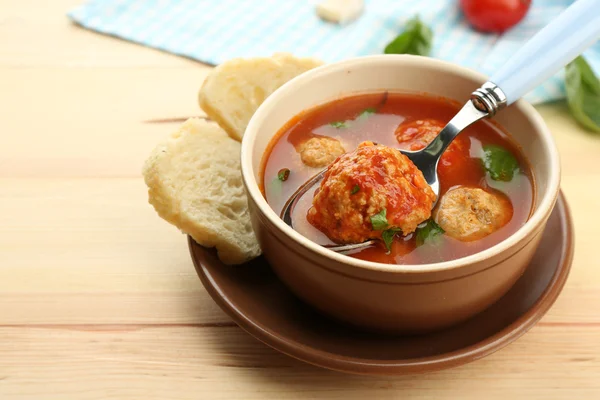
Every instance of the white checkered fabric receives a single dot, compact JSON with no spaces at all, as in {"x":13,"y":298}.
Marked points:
{"x":213,"y":31}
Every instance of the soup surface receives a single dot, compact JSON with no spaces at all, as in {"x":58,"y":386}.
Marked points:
{"x":486,"y":192}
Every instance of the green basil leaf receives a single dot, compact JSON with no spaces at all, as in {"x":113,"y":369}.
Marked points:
{"x":338,"y":124}
{"x":388,"y":237}
{"x":416,"y":39}
{"x":500,"y":163}
{"x":429,"y":233}
{"x":355,"y":189}
{"x":367,"y":112}
{"x":583,"y":93}
{"x":379,"y":221}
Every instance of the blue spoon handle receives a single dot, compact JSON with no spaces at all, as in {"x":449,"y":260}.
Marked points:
{"x":553,"y":47}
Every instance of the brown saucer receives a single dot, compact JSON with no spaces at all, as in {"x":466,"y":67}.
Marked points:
{"x":258,"y":302}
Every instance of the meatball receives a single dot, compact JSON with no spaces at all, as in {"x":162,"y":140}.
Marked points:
{"x":469,"y":214}
{"x":372,"y":181}
{"x":416,"y":135}
{"x":456,"y":160}
{"x":319,"y":152}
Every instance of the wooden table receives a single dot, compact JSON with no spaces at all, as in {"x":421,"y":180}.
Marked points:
{"x":98,"y":296}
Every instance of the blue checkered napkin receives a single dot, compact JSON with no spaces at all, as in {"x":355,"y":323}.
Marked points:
{"x":214,"y":31}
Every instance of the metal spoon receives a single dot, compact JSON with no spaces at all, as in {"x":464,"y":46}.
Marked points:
{"x":550,"y":49}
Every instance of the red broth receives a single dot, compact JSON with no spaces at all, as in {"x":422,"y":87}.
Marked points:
{"x":392,"y":109}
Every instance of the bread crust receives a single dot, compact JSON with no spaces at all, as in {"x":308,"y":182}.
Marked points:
{"x":234,"y":90}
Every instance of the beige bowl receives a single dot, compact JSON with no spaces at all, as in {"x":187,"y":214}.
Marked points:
{"x":395,"y":298}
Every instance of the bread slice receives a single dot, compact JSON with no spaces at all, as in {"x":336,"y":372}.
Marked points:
{"x":195,"y":183}
{"x":233,"y":91}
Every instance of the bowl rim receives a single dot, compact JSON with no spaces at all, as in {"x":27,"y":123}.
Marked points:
{"x":539,"y":216}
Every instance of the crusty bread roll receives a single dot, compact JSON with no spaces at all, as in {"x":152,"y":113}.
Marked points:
{"x":233,"y":91}
{"x":195,"y":183}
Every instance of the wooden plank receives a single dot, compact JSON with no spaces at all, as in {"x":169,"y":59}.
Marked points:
{"x":38,"y":34}
{"x":222,"y":363}
{"x":85,"y":122}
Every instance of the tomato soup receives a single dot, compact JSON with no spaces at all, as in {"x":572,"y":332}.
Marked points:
{"x":486,"y":185}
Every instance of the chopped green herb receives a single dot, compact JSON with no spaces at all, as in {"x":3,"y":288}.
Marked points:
{"x":429,"y":233}
{"x":367,"y":112}
{"x":355,"y":189}
{"x":338,"y":124}
{"x":283,"y":174}
{"x":379,"y":221}
{"x":500,"y":163}
{"x":416,"y":39}
{"x":388,"y":237}
{"x":583,"y":93}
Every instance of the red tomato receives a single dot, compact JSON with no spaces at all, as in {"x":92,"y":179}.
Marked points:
{"x":494,"y":15}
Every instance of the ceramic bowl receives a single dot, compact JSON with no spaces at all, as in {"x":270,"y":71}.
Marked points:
{"x":395,"y":298}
